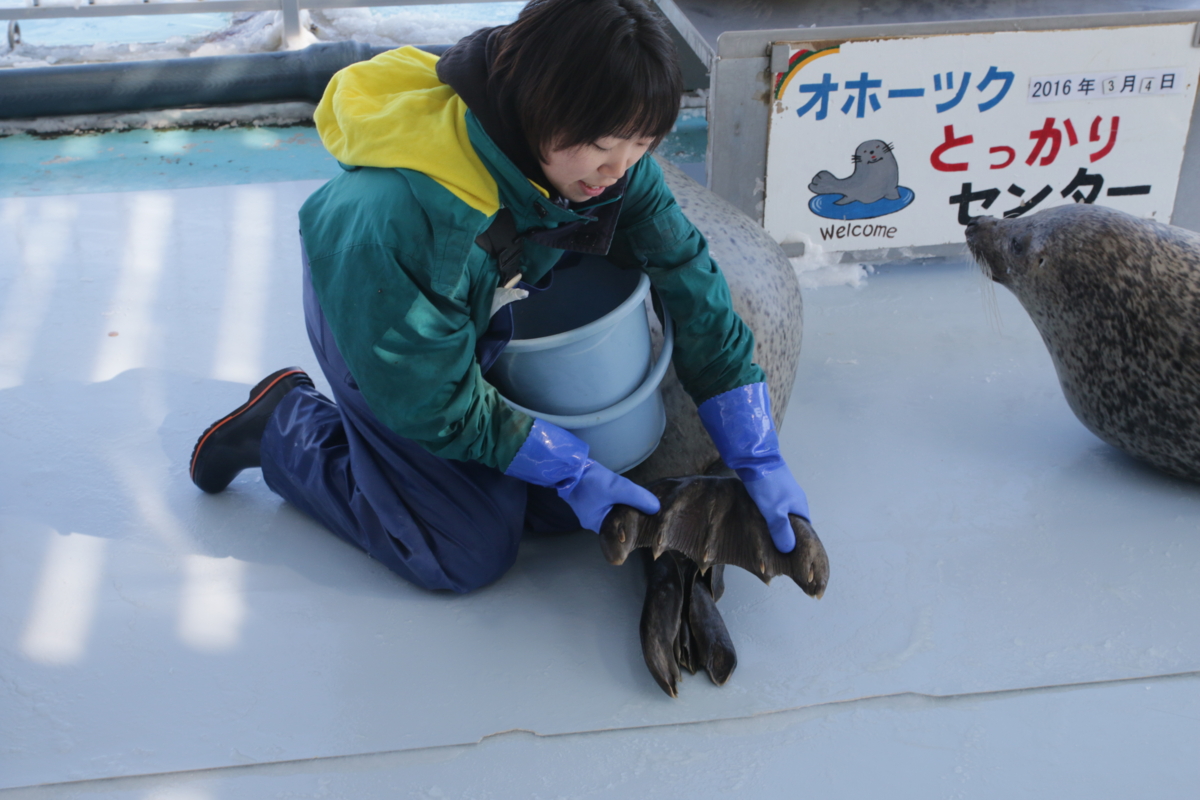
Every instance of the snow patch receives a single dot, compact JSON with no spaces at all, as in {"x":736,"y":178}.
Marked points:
{"x":262,"y":31}
{"x":818,"y":267}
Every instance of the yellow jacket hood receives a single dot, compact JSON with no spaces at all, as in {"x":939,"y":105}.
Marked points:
{"x":393,"y":112}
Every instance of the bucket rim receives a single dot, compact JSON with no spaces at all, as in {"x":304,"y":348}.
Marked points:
{"x":623,"y":407}
{"x":636,"y":298}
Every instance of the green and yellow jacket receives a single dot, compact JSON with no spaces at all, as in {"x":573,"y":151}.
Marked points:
{"x":407,"y":291}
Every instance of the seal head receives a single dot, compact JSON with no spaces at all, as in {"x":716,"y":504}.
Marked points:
{"x":1116,"y":299}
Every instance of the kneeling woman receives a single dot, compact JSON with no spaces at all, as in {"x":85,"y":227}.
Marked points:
{"x":417,"y":460}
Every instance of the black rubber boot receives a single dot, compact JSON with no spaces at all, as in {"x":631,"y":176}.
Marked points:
{"x":231,"y":444}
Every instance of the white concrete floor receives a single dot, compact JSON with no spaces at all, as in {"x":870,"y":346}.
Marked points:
{"x":1012,"y":609}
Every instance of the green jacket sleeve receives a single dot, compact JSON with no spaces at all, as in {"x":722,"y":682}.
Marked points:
{"x":714,"y":348}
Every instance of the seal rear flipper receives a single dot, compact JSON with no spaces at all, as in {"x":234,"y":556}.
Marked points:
{"x":712,"y":520}
{"x":688,"y":653}
{"x":715,"y":578}
{"x":713,"y":642}
{"x":661,"y":615}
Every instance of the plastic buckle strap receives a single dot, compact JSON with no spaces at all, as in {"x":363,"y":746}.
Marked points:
{"x":509,"y":261}
{"x":501,"y":241}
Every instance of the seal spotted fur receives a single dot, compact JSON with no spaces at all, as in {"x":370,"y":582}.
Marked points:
{"x":1116,"y":299}
{"x":766,"y":295}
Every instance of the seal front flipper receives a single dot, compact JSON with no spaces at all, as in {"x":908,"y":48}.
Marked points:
{"x":809,"y":552}
{"x":661,"y":615}
{"x":712,"y":520}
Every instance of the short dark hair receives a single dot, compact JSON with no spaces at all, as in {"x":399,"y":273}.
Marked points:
{"x":579,"y":70}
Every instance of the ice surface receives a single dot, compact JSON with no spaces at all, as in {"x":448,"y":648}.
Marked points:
{"x":1109,"y":740}
{"x":980,"y":538}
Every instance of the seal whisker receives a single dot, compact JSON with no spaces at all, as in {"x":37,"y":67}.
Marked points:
{"x":987,"y":290}
{"x":991,"y":306}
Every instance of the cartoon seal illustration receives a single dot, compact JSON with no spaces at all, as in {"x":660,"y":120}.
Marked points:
{"x":876,"y":176}
{"x":708,"y":520}
{"x":1116,"y":299}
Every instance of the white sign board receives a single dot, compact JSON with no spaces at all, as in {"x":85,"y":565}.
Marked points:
{"x":899,"y":142}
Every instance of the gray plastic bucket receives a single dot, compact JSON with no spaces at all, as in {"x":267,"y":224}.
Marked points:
{"x":581,"y":359}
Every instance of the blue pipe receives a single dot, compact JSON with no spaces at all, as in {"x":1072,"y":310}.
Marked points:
{"x":297,"y":75}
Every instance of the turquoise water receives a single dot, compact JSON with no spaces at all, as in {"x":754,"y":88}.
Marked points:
{"x":32,"y":166}
{"x":136,"y":160}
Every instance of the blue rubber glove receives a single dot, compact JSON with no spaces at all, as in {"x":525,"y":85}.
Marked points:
{"x":739,"y":422}
{"x":552,"y":456}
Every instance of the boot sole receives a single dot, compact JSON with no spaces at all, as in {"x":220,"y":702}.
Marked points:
{"x":256,"y":394}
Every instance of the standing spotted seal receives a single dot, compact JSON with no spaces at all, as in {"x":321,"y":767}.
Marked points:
{"x":1116,"y":299}
{"x":876,"y":176}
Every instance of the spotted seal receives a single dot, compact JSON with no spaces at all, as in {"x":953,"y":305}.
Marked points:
{"x":1116,"y":299}
{"x":876,"y":176}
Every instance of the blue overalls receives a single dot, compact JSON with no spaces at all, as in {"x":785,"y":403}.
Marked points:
{"x":439,"y":523}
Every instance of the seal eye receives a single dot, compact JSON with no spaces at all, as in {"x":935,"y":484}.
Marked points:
{"x":1018,"y":247}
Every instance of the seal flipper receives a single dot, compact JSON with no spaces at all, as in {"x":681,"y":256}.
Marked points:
{"x":712,"y":520}
{"x":710,"y":634}
{"x":661,"y":615}
{"x":716,"y":581}
{"x":688,"y":654}
{"x":700,"y":638}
